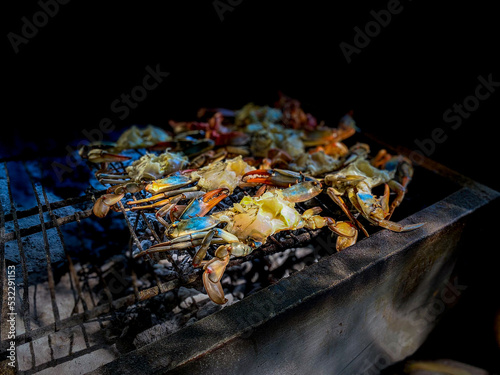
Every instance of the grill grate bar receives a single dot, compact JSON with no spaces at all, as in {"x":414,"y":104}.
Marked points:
{"x":131,"y":229}
{"x":157,"y":238}
{"x":55,"y":205}
{"x":50,"y":275}
{"x":277,"y":246}
{"x":72,"y":278}
{"x":10,"y":236}
{"x":24,"y":267}
{"x":102,"y":309}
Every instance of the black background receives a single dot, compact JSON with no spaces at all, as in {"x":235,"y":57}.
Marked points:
{"x":425,"y":60}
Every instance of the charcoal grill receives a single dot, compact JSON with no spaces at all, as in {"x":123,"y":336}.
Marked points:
{"x":352,"y":312}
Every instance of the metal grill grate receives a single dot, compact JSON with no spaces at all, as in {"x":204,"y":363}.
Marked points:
{"x":86,"y":282}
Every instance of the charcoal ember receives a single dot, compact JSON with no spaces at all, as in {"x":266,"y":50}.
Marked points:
{"x":146,"y":244}
{"x":184,"y":293}
{"x":168,"y":297}
{"x":141,"y":224}
{"x":165,"y":272}
{"x":192,"y":301}
{"x":278,"y":259}
{"x":239,"y":290}
{"x":303,"y":252}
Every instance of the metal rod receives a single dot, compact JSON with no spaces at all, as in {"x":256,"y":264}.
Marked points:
{"x":157,"y":238}
{"x":50,"y":275}
{"x":73,"y":278}
{"x":24,"y":267}
{"x":10,"y":236}
{"x":55,"y":205}
{"x":103,"y":309}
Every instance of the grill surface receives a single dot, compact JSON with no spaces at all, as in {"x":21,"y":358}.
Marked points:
{"x":84,"y":282}
{"x":63,"y":315}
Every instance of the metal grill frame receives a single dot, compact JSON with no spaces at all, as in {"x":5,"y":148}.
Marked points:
{"x":79,"y":287}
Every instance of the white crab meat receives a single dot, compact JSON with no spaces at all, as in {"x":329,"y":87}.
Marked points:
{"x":152,"y":167}
{"x":222,"y":174}
{"x":258,"y":218}
{"x":315,"y":164}
{"x":135,"y":137}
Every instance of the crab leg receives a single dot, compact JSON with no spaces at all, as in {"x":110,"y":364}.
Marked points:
{"x":384,"y":201}
{"x":166,"y":246}
{"x":400,"y":194}
{"x":167,"y":208}
{"x":226,"y":236}
{"x":113,"y":181}
{"x":340,"y":202}
{"x":164,"y":195}
{"x":395,"y":227}
{"x":101,"y":156}
{"x":187,"y":195}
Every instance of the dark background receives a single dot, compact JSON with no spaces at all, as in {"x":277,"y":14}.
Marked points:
{"x":425,"y":60}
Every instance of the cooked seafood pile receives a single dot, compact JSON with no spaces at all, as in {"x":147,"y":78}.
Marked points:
{"x":278,"y":156}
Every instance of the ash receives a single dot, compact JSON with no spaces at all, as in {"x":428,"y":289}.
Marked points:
{"x":153,"y":319}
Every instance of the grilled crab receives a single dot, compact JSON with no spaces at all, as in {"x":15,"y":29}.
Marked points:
{"x":356,"y":182}
{"x":217,"y":180}
{"x":135,"y":178}
{"x":248,"y":224}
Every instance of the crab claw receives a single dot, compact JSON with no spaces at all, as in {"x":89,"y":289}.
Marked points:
{"x":104,"y":203}
{"x":202,"y":205}
{"x":275,"y":177}
{"x":215,"y":268}
{"x":348,"y":234}
{"x":214,"y":290}
{"x":173,"y":182}
{"x":101,"y":156}
{"x":303,"y":191}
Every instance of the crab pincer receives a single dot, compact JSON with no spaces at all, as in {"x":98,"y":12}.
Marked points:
{"x":104,"y":203}
{"x":202,"y":205}
{"x":298,"y":187}
{"x":275,"y":177}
